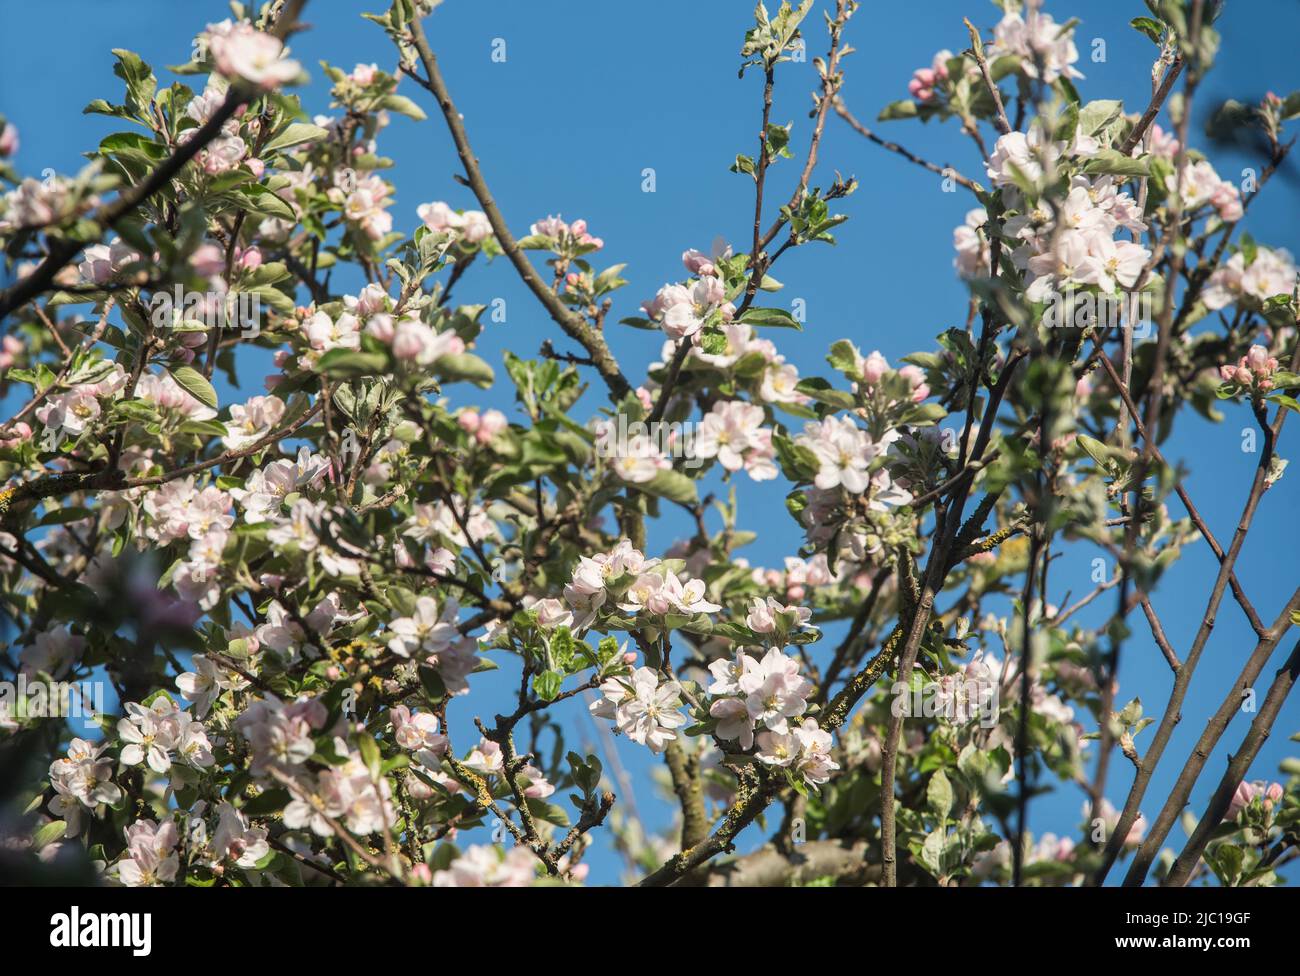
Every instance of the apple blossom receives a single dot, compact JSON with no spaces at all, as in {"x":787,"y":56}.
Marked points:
{"x":416,"y":496}
{"x":242,"y":53}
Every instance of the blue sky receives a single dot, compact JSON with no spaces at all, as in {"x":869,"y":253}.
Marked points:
{"x":585,"y":101}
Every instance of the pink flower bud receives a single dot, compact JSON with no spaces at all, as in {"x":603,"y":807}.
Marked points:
{"x":9,"y":350}
{"x":916,"y":378}
{"x":468,"y":420}
{"x":873,"y":368}
{"x":698,"y":263}
{"x":18,"y":432}
{"x":491,"y":423}
{"x":8,"y":140}
{"x":208,"y":260}
{"x":709,"y":291}
{"x":408,"y":343}
{"x":380,"y":325}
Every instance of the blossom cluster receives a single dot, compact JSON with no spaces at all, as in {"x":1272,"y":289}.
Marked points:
{"x":635,"y":583}
{"x":1083,"y":251}
{"x":316,"y":569}
{"x":845,"y":453}
{"x":643,"y":706}
{"x":433,"y":636}
{"x":1271,"y":273}
{"x":682,"y":310}
{"x":733,"y":432}
{"x":1253,"y":371}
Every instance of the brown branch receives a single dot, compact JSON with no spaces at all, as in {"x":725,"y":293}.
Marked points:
{"x":1214,"y":730}
{"x":911,"y":157}
{"x":1000,"y":121}
{"x":684,"y":769}
{"x":1192,"y":512}
{"x":771,"y":867}
{"x":1153,"y":109}
{"x":573,"y":325}
{"x":1183,"y":676}
{"x":1238,"y":766}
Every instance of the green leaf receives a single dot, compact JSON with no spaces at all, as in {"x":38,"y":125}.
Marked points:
{"x":821,"y":391}
{"x":932,"y":852}
{"x":126,"y":141}
{"x":294,"y":134}
{"x":672,"y":485}
{"x":797,"y":461}
{"x":464,"y":366}
{"x":62,"y":516}
{"x":351,"y":362}
{"x":1096,"y":115}
{"x":843,"y":356}
{"x":1150,"y":27}
{"x":1113,"y":161}
{"x":549,"y":812}
{"x":140,"y":82}
{"x":204,"y":428}
{"x":973,"y":762}
{"x":48,"y":834}
{"x":547,"y":684}
{"x":267,"y":802}
{"x":431,"y":683}
{"x":771,"y":317}
{"x":743,"y":164}
{"x":1095,"y":449}
{"x":903,"y":109}
{"x":939,"y":794}
{"x":923,"y":415}
{"x":195,"y":384}
{"x":370,"y":754}
{"x":258,"y":199}
{"x":640,"y":323}
{"x":403,"y":106}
